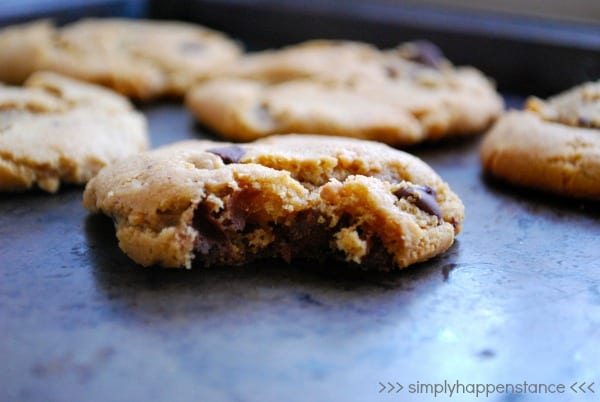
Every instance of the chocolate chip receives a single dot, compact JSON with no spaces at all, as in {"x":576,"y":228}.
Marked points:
{"x":426,"y":53}
{"x":210,"y":231}
{"x":391,"y":72}
{"x":230,"y":154}
{"x":584,"y":121}
{"x":216,"y":229}
{"x":191,"y":47}
{"x":377,"y":258}
{"x":238,"y":205}
{"x":306,"y":237}
{"x":424,"y":198}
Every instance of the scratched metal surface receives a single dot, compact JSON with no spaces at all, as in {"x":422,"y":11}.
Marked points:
{"x":516,"y":298}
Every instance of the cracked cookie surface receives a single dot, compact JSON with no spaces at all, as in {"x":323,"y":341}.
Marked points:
{"x":56,"y":129}
{"x":140,"y":59}
{"x":400,"y":96}
{"x":292,"y":196}
{"x":551,"y":145}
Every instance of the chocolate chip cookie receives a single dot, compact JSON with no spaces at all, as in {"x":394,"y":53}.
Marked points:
{"x":400,"y":96}
{"x":57,"y":129}
{"x":293,"y":196}
{"x":140,"y":59}
{"x":551,"y":145}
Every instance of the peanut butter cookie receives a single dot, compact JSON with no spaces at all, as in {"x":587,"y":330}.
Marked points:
{"x":57,"y":129}
{"x":141,"y":59}
{"x":400,"y":96}
{"x":293,"y":196}
{"x":552,"y":145}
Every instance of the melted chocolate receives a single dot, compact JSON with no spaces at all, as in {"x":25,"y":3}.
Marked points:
{"x":377,"y":258}
{"x":221,"y":236}
{"x":427,"y":53}
{"x":424,"y":198}
{"x":306,"y":237}
{"x":230,"y":154}
{"x":210,"y":231}
{"x":585,"y":122}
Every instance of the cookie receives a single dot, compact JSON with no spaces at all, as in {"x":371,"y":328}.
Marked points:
{"x":140,"y":59}
{"x":401,"y":96}
{"x":292,"y":196}
{"x":552,"y":145}
{"x":57,"y":129}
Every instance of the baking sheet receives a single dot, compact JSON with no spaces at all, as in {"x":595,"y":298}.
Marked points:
{"x":517,"y":298}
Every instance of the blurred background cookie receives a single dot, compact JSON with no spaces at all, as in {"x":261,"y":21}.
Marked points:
{"x":552,"y":145}
{"x":399,"y":96}
{"x":56,"y":129}
{"x":141,"y":59}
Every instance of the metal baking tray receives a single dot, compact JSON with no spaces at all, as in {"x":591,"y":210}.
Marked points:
{"x":517,"y":298}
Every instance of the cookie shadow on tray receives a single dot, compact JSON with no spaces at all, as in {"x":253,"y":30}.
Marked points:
{"x":215,"y":290}
{"x":541,"y":202}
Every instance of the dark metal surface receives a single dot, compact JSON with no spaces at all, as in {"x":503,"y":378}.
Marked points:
{"x":516,"y":298}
